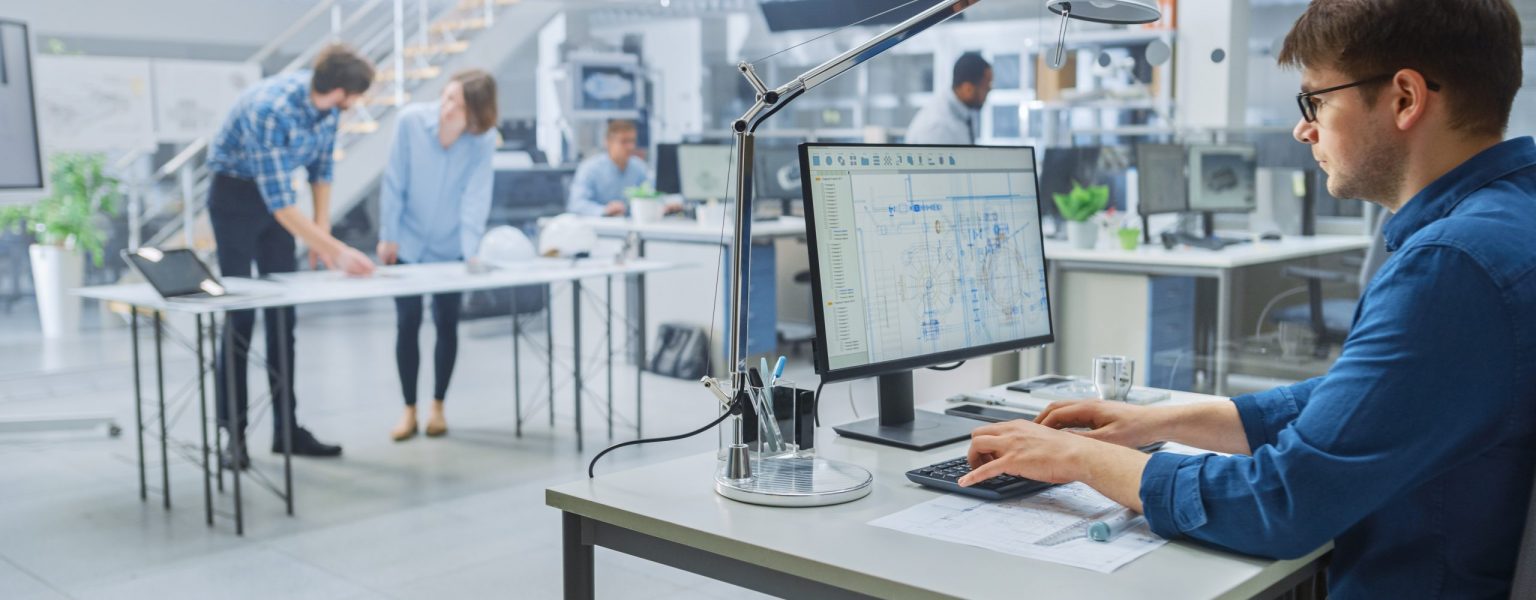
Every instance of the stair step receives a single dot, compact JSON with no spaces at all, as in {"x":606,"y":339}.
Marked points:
{"x":458,"y":25}
{"x":386,"y":99}
{"x":480,"y":4}
{"x":435,"y":49}
{"x":410,"y":74}
{"x":359,"y":127}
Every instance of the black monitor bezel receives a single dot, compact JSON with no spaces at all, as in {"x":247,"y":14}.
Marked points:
{"x":823,"y":369}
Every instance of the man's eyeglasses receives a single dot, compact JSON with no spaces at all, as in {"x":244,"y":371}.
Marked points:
{"x":1309,"y":109}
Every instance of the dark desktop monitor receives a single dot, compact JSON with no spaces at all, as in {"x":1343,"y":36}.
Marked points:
{"x":1222,"y":179}
{"x":1061,"y":168}
{"x":520,"y":196}
{"x":920,"y":256}
{"x":777,"y":173}
{"x":1161,"y":183}
{"x":666,"y":169}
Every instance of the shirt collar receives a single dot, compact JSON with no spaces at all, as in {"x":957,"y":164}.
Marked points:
{"x":299,"y":96}
{"x":960,"y":110}
{"x":1442,"y":196}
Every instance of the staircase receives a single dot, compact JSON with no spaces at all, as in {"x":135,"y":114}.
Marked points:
{"x":416,"y":45}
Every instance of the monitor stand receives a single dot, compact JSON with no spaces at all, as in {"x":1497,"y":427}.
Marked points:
{"x":900,"y":425}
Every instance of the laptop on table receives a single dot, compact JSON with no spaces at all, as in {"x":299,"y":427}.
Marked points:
{"x":180,"y":276}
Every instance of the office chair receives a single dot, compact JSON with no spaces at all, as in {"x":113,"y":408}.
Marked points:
{"x":1330,"y":319}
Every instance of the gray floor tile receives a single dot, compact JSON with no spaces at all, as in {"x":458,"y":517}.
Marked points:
{"x":251,"y":572}
{"x":16,"y":584}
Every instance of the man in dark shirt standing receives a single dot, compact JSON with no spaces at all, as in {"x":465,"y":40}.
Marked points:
{"x":1414,"y":454}
{"x":284,"y":123}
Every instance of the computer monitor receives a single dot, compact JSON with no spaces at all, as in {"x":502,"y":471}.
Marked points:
{"x":1221,"y":179}
{"x":921,"y":256}
{"x":520,"y":196}
{"x":666,"y":169}
{"x":704,"y":171}
{"x":22,"y":168}
{"x":1160,"y":179}
{"x":1062,"y":168}
{"x":777,"y":174}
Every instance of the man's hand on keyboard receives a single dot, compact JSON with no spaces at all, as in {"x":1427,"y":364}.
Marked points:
{"x":1026,"y":450}
{"x":1114,"y":422}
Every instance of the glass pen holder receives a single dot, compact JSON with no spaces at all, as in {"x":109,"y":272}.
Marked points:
{"x":791,"y":431}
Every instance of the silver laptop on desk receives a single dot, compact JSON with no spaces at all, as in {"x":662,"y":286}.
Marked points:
{"x":180,"y":276}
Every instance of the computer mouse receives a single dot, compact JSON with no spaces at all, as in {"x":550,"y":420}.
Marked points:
{"x":1270,"y":237}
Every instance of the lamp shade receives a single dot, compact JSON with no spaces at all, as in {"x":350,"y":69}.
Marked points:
{"x":1114,"y":12}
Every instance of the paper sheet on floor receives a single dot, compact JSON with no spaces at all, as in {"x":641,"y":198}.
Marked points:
{"x":1051,"y":525}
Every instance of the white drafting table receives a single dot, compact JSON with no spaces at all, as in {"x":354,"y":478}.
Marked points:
{"x":1153,"y":259}
{"x":669,"y":513}
{"x":292,"y":289}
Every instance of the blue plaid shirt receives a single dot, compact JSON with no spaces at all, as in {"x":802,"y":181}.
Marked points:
{"x":274,"y":129}
{"x":1414,"y":453}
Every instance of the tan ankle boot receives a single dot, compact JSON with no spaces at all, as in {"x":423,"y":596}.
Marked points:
{"x":436,"y":424}
{"x":406,"y":429}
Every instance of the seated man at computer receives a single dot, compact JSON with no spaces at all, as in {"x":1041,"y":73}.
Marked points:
{"x":600,"y":181}
{"x":1414,"y":454}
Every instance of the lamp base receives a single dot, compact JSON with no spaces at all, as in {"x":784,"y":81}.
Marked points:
{"x":798,"y":482}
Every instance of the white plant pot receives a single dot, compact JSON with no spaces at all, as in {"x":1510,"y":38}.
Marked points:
{"x":55,"y":271}
{"x":1083,"y":234}
{"x":646,"y":211}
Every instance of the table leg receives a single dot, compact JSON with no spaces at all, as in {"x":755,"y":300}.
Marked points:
{"x":285,"y":377}
{"x":517,"y":366}
{"x":608,"y":339}
{"x":576,"y":353}
{"x":637,"y":315}
{"x":549,"y":347}
{"x":236,"y":428}
{"x":579,"y":580}
{"x":218,"y":432}
{"x":1223,"y":329}
{"x":165,"y":463}
{"x":138,"y":400}
{"x":202,"y":421}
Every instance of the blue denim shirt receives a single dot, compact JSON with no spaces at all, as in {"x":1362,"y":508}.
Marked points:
{"x":434,"y":201}
{"x":598,"y":181}
{"x":273,"y":130}
{"x":1414,"y":454}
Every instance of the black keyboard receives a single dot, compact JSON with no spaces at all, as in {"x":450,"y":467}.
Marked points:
{"x":945,"y":475}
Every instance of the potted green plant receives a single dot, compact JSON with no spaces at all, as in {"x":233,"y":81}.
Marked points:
{"x":68,"y":223}
{"x":1079,"y":207}
{"x":645,"y":205}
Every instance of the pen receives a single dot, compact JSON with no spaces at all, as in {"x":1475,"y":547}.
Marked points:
{"x":778,"y":370}
{"x":1106,"y":529}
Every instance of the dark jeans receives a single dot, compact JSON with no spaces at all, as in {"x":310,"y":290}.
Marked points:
{"x":445,"y":317}
{"x":247,"y":233}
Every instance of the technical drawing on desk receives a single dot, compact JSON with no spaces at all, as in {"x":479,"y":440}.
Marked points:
{"x":928,"y":258}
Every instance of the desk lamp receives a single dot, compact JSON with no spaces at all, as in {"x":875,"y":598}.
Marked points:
{"x":1114,"y":12}
{"x":802,"y":480}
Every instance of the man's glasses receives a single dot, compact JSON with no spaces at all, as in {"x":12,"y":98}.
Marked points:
{"x":1309,"y":109}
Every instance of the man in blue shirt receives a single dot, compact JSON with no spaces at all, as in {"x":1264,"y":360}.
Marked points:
{"x":598,"y":186}
{"x":279,"y":125}
{"x":433,"y":204}
{"x":1414,"y":454}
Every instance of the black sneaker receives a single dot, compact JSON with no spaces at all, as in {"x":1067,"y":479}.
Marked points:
{"x":305,"y":444}
{"x":232,"y":454}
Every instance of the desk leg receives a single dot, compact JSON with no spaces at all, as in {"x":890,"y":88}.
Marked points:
{"x":608,"y":339}
{"x":285,"y":377}
{"x":218,"y":432}
{"x":236,"y":428}
{"x":202,"y":421}
{"x":636,"y":295}
{"x":549,"y":346}
{"x":517,"y":366}
{"x":1223,"y":329}
{"x":576,"y":353}
{"x":138,"y":400}
{"x":579,"y":581}
{"x":165,"y":463}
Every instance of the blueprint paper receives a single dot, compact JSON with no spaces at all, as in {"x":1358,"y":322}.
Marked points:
{"x":1018,"y":527}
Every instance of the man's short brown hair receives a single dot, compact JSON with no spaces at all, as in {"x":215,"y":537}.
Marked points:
{"x":479,"y":99}
{"x":1470,"y":47}
{"x":618,"y":126}
{"x":339,"y":66}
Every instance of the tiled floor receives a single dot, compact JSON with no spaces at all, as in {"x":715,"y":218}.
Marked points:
{"x":457,"y":517}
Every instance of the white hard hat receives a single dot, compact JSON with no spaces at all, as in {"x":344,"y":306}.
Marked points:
{"x":566,"y":236}
{"x":505,"y":244}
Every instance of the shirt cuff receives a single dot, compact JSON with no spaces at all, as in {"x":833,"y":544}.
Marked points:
{"x":1170,"y":493}
{"x":1265,"y":413}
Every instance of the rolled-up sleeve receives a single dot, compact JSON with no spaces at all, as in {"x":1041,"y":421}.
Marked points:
{"x":320,"y":169}
{"x":1331,"y":451}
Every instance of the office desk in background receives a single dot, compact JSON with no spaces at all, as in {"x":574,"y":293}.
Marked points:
{"x":669,"y":513}
{"x":301,"y":288}
{"x":1154,"y":305}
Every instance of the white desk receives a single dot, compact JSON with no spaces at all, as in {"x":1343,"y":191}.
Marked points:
{"x":669,"y":513}
{"x":678,"y":229}
{"x":318,"y":287}
{"x":1219,"y":265}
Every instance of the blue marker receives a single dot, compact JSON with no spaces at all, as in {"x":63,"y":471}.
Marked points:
{"x":1107,"y":529}
{"x":778,"y":370}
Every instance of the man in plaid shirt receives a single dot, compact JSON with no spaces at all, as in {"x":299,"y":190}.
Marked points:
{"x":283,"y":123}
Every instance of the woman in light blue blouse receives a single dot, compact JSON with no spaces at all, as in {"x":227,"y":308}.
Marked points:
{"x":433,"y":205}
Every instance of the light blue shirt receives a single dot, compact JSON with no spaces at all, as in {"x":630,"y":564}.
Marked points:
{"x":944,"y":120}
{"x":598,"y":181}
{"x":434,"y":200}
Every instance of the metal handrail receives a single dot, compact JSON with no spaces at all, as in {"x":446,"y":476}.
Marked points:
{"x":271,"y":48}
